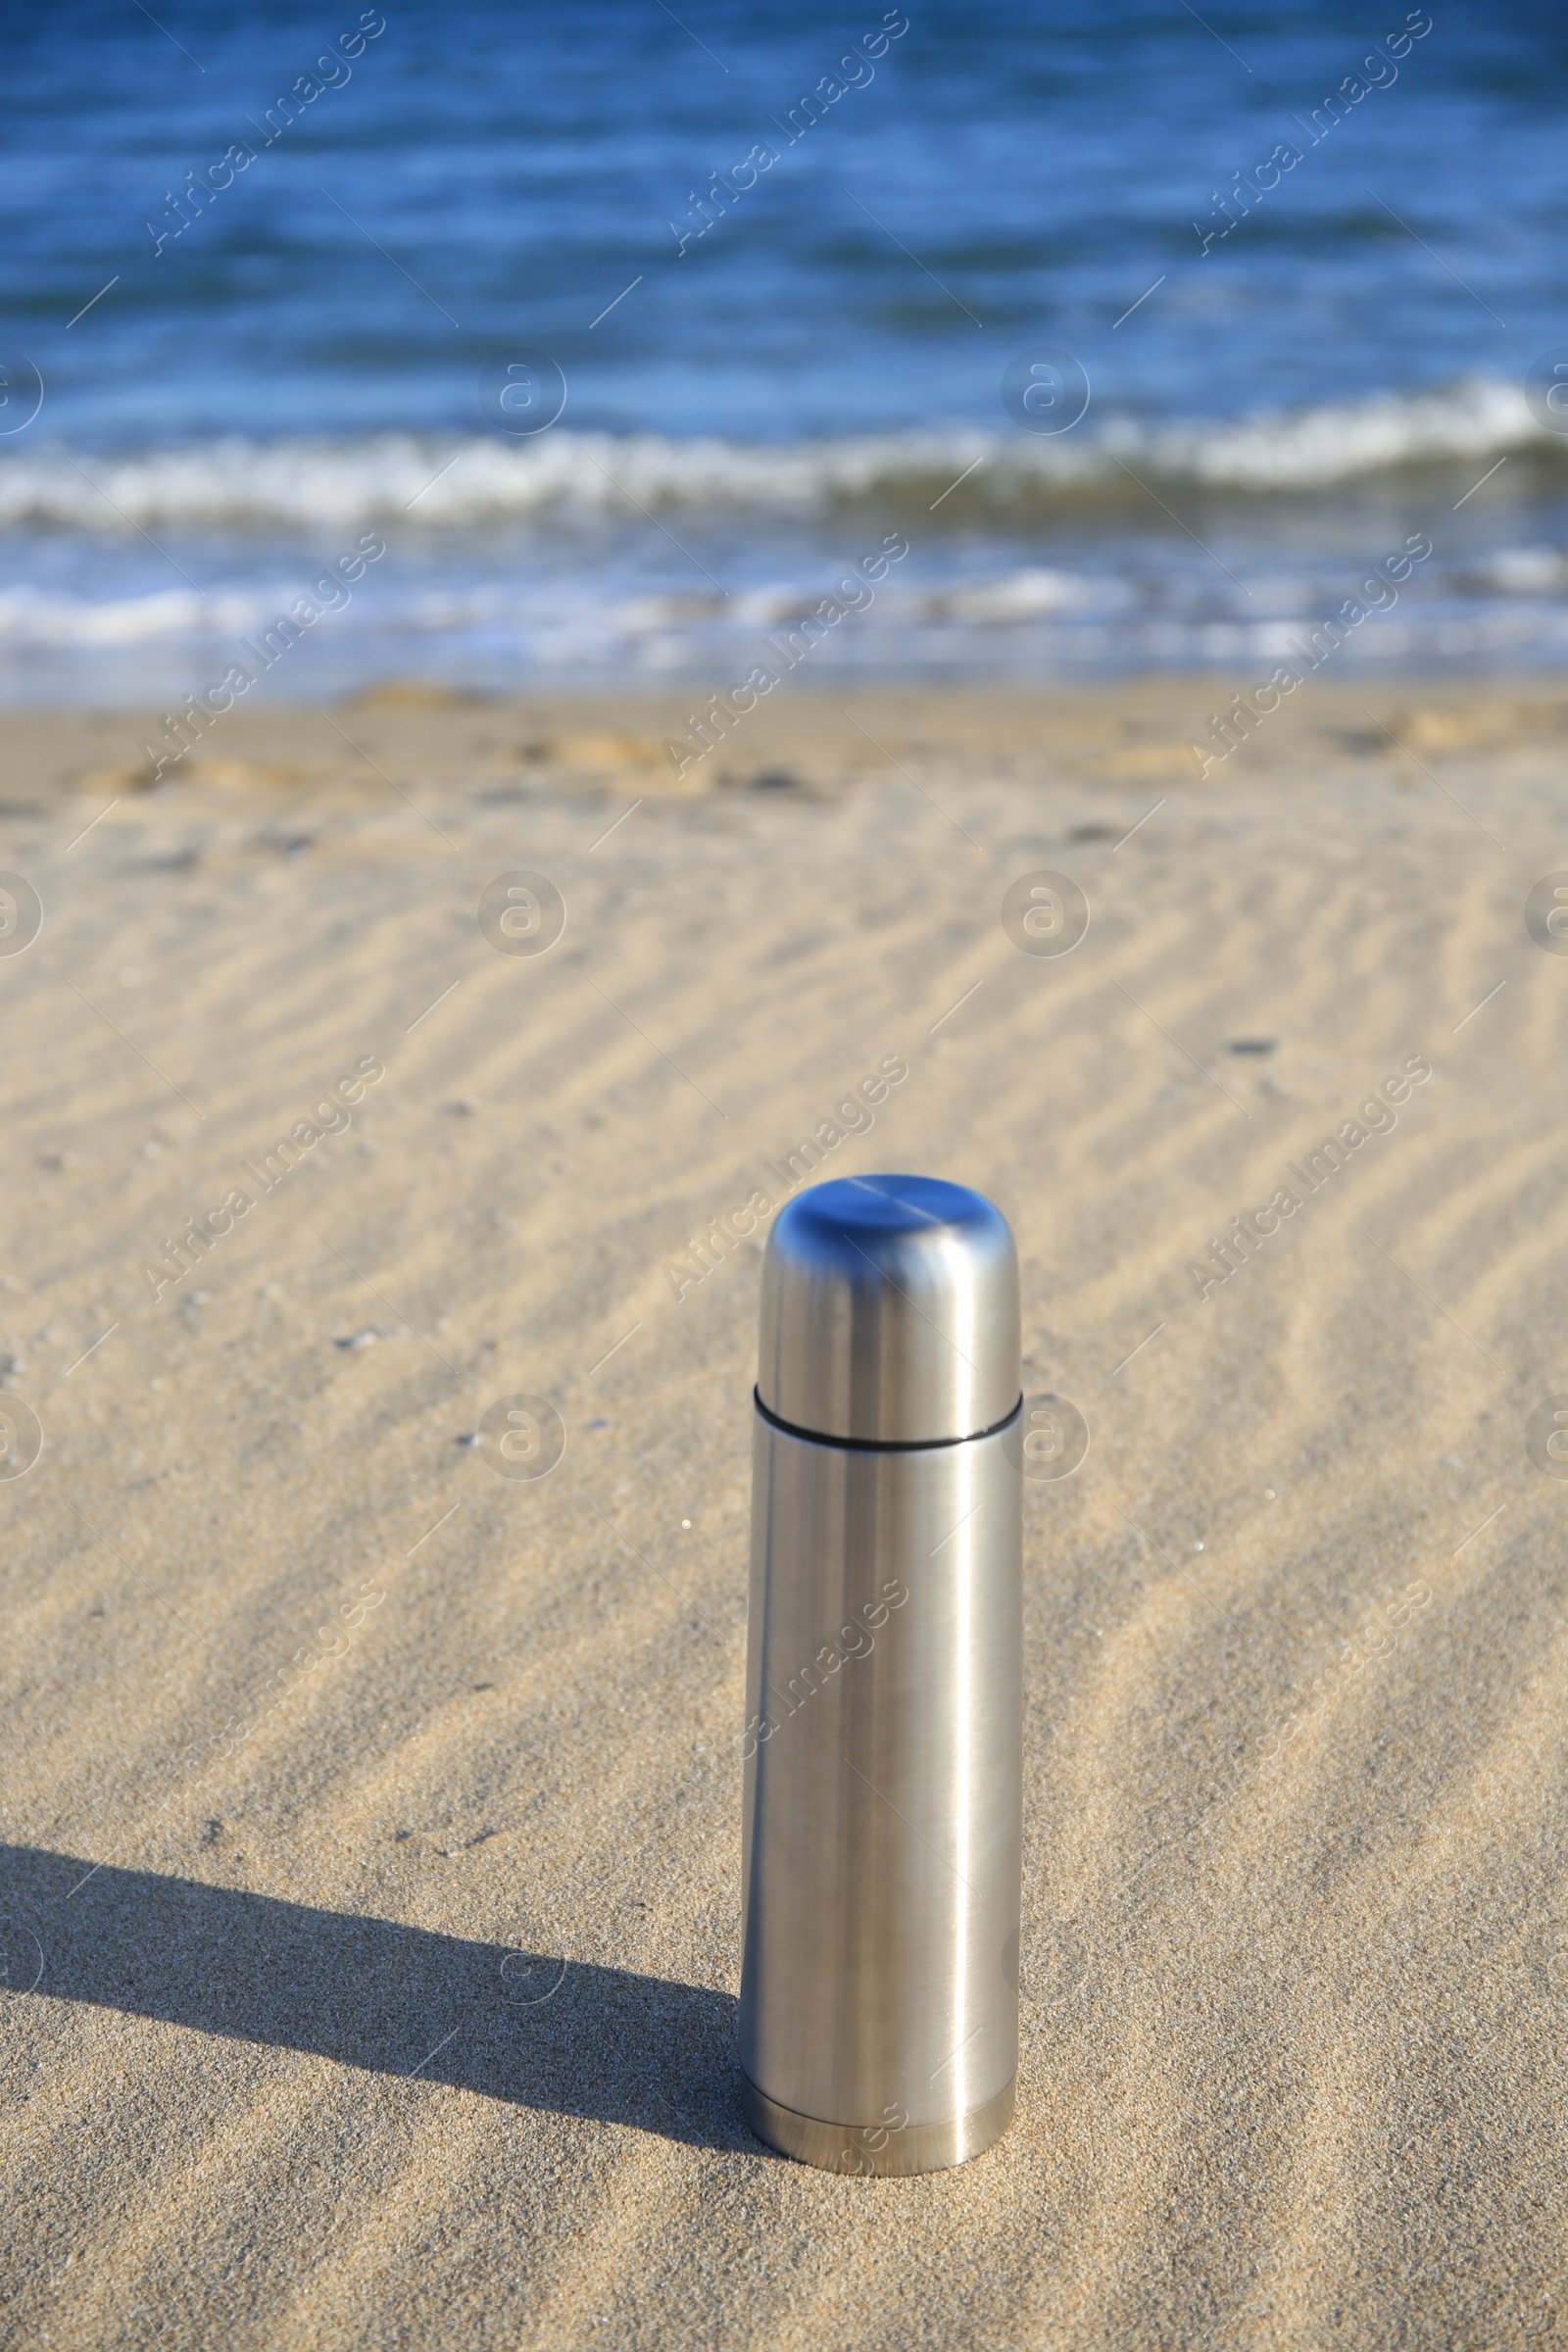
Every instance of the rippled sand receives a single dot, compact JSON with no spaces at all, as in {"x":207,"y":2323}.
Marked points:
{"x":376,"y":1986}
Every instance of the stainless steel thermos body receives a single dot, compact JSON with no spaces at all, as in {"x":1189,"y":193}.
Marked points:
{"x":883,"y":1742}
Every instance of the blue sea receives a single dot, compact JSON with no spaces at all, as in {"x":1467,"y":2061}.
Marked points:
{"x":623,"y":333}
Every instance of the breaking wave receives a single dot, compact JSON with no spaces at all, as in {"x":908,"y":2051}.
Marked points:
{"x":464,"y":483}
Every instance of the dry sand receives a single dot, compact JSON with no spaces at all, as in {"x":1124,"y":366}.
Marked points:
{"x":1296,"y":1945}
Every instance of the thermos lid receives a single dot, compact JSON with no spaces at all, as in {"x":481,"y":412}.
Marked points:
{"x":890,"y":1313}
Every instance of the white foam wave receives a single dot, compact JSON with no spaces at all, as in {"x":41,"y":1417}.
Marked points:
{"x":331,"y":488}
{"x":35,"y":616}
{"x":1311,"y":447}
{"x":531,"y":615}
{"x":664,"y":626}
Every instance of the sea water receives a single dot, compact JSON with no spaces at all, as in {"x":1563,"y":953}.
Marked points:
{"x":1291,"y":268}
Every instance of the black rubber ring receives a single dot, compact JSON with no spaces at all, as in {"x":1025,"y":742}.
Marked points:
{"x":820,"y":1436}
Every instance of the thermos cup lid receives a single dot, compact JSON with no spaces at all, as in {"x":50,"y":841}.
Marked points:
{"x":890,"y":1313}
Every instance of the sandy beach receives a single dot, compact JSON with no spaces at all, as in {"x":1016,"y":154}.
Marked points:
{"x":370,"y":1865}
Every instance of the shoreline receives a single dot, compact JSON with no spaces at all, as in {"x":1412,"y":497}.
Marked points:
{"x":1152,"y":728}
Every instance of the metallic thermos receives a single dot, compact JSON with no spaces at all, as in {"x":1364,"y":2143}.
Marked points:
{"x":884,"y":1705}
